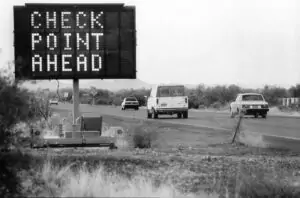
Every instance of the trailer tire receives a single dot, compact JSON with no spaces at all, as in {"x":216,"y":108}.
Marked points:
{"x":112,"y":146}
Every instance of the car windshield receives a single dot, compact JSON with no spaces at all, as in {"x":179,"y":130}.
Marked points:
{"x":252,"y":97}
{"x":170,"y":91}
{"x":130,"y":99}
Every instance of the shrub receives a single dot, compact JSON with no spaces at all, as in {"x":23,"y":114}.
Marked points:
{"x":16,"y":105}
{"x":193,"y":102}
{"x":117,"y":101}
{"x":216,"y":105}
{"x":102,"y":101}
{"x":143,"y":137}
{"x":40,"y":106}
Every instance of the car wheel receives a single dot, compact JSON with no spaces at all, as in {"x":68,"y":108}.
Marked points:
{"x":149,"y":115}
{"x":155,"y":114}
{"x":185,"y":114}
{"x":264,"y":115}
{"x":256,"y":115}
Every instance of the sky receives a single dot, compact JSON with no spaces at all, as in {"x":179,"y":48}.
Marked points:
{"x":245,"y":42}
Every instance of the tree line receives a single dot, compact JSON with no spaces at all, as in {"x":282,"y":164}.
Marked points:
{"x":200,"y":97}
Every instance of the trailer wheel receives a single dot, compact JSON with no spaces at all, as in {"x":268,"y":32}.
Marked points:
{"x":112,"y":146}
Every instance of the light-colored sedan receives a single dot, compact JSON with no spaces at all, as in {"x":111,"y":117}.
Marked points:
{"x":130,"y":103}
{"x":53,"y":101}
{"x":250,"y":104}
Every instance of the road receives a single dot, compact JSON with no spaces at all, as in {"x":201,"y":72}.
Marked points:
{"x":278,"y":126}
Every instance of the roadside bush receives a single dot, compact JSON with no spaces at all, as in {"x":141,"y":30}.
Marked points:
{"x":15,"y":107}
{"x":144,"y":137}
{"x":216,"y":105}
{"x":102,"y":101}
{"x":295,"y":107}
{"x":193,"y":102}
{"x":40,"y":106}
{"x":291,"y":108}
{"x":117,"y":101}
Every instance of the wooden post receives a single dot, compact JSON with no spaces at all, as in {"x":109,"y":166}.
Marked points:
{"x":75,"y":100}
{"x":237,"y":129}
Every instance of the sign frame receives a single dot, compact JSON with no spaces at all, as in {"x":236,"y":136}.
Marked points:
{"x":121,"y":70}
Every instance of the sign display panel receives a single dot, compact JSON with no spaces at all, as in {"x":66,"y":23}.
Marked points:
{"x":75,"y":41}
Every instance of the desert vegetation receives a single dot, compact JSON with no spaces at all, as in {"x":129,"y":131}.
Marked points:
{"x":152,"y":174}
{"x":200,"y":97}
{"x":137,"y":171}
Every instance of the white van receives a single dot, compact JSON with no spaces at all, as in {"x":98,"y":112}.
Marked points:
{"x":168,"y":100}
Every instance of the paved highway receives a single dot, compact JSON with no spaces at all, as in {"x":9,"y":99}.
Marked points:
{"x":279,"y":126}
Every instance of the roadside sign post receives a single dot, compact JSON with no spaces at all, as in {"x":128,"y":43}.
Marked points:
{"x":94,"y":93}
{"x":76,"y":102}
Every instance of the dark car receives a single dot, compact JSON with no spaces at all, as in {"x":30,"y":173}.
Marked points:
{"x":130,"y":103}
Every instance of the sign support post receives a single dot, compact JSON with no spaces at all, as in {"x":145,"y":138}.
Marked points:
{"x":75,"y":100}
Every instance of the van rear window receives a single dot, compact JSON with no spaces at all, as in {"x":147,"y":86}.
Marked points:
{"x":170,"y":91}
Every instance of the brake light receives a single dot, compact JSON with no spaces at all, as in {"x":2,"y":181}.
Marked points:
{"x":157,"y":101}
{"x":186,"y":100}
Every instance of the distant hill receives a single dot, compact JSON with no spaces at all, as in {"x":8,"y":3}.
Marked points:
{"x":112,"y":85}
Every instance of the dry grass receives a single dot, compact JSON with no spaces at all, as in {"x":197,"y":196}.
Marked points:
{"x":113,"y":174}
{"x":173,"y":177}
{"x":52,"y":181}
